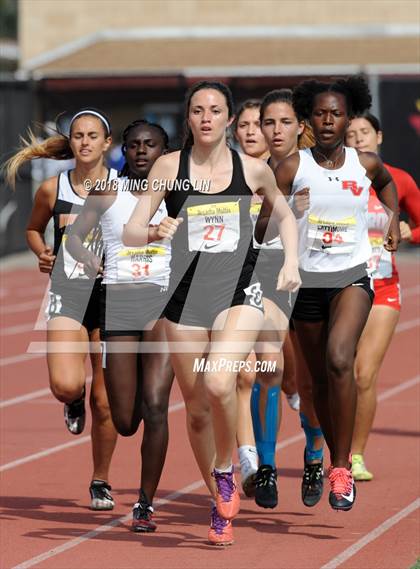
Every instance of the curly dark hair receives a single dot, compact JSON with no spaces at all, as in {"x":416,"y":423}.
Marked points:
{"x":354,"y":88}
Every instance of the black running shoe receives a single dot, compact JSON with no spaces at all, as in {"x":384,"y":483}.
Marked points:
{"x":312,"y":483}
{"x":100,"y":493}
{"x":266,"y":487}
{"x":75,"y":415}
{"x":143,"y":515}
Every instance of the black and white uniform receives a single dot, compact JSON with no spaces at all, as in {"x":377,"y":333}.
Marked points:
{"x":212,"y":259}
{"x":135,"y":282}
{"x":334,"y":245}
{"x":270,"y":260}
{"x":73,"y":294}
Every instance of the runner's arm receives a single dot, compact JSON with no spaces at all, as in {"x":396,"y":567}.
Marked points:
{"x":410,"y":202}
{"x":275,"y":201}
{"x":386,"y":191}
{"x":138,"y":232}
{"x":96,"y":204}
{"x":41,"y":213}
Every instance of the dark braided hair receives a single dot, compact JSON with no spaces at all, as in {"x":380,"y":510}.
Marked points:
{"x":217,"y":86}
{"x":140,"y":122}
{"x":354,"y":88}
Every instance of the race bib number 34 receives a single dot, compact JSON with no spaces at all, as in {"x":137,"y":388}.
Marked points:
{"x":214,"y":228}
{"x":141,"y":264}
{"x":332,"y":237}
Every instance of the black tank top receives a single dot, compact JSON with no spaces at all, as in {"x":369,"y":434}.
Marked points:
{"x":216,"y":234}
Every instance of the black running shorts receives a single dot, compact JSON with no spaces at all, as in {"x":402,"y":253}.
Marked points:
{"x":75,"y":300}
{"x":313,"y":302}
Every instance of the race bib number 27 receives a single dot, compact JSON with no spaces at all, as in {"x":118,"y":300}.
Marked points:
{"x":214,"y":228}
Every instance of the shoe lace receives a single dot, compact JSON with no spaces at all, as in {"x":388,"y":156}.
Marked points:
{"x":341,"y":481}
{"x":217,"y":522}
{"x":102,"y":490}
{"x":142,"y":511}
{"x":225,"y":484}
{"x":265,"y":477}
{"x":312,"y":473}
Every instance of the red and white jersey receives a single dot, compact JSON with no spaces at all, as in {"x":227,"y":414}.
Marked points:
{"x":333,"y":233}
{"x":381,"y":263}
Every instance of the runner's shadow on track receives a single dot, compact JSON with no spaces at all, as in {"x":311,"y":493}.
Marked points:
{"x":180,"y":524}
{"x":50,"y":509}
{"x":175,"y":522}
{"x":270,"y":521}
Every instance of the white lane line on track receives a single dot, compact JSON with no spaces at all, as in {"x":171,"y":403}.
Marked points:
{"x":408,"y":325}
{"x":123,"y":519}
{"x":372,"y":535}
{"x":399,"y":388}
{"x":25,"y":398}
{"x":19,"y":329}
{"x":194,"y":486}
{"x":42,"y":453}
{"x":32,"y":395}
{"x":79,"y":441}
{"x":21,"y":307}
{"x":19,"y":358}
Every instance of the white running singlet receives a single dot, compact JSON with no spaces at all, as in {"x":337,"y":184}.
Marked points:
{"x":333,"y":233}
{"x":146,"y":264}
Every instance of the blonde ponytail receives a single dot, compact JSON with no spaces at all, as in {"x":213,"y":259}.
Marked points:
{"x":55,"y":147}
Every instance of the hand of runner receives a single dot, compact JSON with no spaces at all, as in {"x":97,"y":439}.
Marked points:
{"x":46,"y":260}
{"x":289,"y":278}
{"x":168,"y":226}
{"x":393,"y":238}
{"x":93,"y":266}
{"x":301,"y":202}
{"x":405,"y":230}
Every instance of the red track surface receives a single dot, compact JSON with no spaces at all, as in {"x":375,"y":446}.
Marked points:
{"x":45,"y":516}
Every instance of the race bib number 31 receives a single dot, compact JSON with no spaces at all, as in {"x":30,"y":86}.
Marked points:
{"x":214,"y":228}
{"x":332,"y":237}
{"x":141,"y":264}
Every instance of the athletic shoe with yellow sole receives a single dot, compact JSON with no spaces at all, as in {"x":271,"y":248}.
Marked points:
{"x":359,"y":470}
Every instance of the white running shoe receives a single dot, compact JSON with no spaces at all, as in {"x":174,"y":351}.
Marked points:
{"x":293,"y":401}
{"x":248,"y":459}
